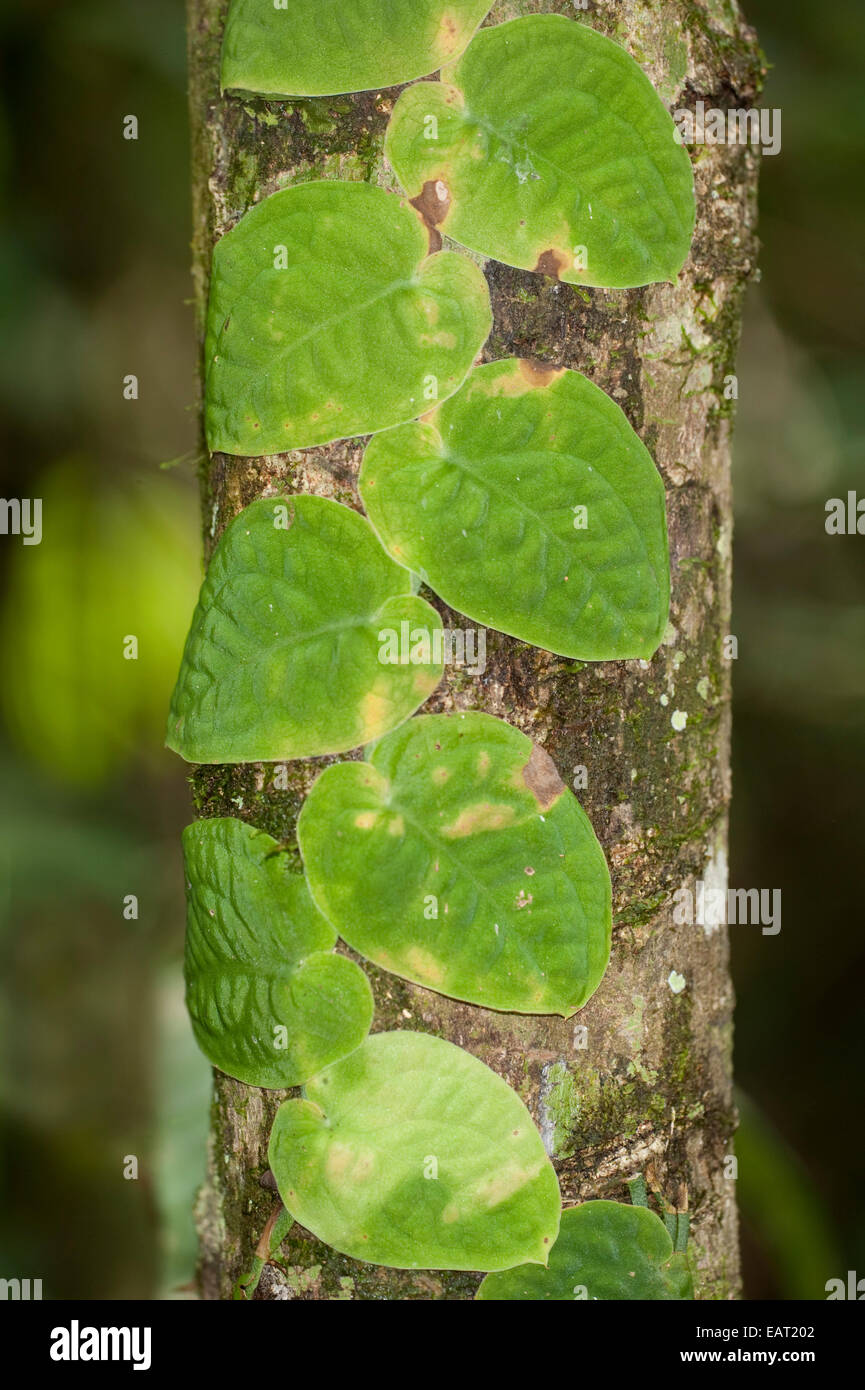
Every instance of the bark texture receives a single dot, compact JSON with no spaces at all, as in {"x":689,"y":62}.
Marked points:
{"x":650,"y":1091}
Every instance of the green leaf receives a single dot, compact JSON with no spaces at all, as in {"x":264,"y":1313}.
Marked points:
{"x":411,"y":1153}
{"x":528,"y":503}
{"x":547,"y":147}
{"x":269,"y":1000}
{"x":456,"y":858}
{"x":605,"y":1250}
{"x":328,"y":318}
{"x":326,"y":47}
{"x":284,"y":658}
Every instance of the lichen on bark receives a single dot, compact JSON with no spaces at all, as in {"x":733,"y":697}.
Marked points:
{"x":640,"y":1079}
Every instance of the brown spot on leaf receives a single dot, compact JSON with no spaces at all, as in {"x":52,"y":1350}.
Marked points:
{"x":449,"y":37}
{"x":516,"y":377}
{"x":552,"y":263}
{"x":539,"y":374}
{"x":432,"y":205}
{"x":542,"y":779}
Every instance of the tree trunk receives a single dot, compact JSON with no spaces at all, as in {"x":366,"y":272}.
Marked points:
{"x":647,"y":1088}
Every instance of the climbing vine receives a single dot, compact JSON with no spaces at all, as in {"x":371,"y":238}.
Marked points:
{"x":452,"y":855}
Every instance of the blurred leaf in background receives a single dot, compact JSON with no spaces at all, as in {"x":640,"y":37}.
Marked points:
{"x":115,"y":562}
{"x":94,"y":280}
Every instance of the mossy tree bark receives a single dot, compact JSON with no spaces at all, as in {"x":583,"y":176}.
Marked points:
{"x":650,"y":1089}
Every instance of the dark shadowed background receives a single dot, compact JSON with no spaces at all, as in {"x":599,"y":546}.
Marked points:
{"x":100,"y":1075}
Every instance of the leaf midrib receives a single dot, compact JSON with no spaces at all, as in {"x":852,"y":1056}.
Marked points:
{"x":513,"y":500}
{"x":510,"y":141}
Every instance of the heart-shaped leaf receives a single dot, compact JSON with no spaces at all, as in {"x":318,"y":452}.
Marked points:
{"x":325,"y":47}
{"x":605,"y":1250}
{"x":411,"y":1153}
{"x":269,"y":1000}
{"x":328,"y":318}
{"x":529,"y":504}
{"x":547,"y":147}
{"x":284,"y":657}
{"x":456,"y":858}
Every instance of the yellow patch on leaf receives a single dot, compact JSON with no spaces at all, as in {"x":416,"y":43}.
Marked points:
{"x":375,"y":711}
{"x":345,"y":1166}
{"x":450,"y":37}
{"x":424,"y":965}
{"x":484,"y":815}
{"x":494,"y":1190}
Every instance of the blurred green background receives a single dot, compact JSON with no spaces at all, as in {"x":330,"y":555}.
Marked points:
{"x":98,"y":1064}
